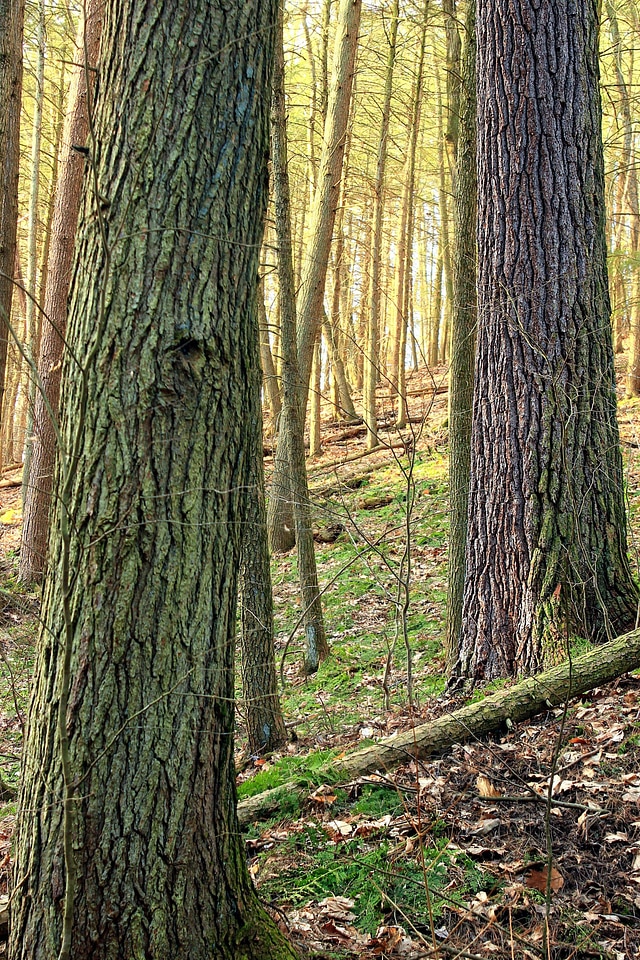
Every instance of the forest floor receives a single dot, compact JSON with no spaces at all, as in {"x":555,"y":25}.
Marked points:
{"x":473,"y":853}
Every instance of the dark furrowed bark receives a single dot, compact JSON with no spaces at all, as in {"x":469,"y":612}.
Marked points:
{"x":547,"y":529}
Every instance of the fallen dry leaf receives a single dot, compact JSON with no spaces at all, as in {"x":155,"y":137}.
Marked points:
{"x":537,"y":880}
{"x":486,"y":788}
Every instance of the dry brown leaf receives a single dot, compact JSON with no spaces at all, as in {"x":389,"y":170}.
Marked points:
{"x":537,"y":880}
{"x":486,"y":788}
{"x":339,"y":828}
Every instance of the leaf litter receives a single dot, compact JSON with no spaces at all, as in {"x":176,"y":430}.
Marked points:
{"x":472,"y":824}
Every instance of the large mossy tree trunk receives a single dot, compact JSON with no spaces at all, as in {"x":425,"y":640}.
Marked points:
{"x":547,"y":528}
{"x":128,"y":843}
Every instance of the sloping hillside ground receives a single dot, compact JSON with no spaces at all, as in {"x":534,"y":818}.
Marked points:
{"x":471,"y":854}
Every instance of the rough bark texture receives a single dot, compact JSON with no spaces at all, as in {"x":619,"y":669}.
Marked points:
{"x":11,"y":27}
{"x":547,"y":528}
{"x":463,"y":335}
{"x":65,"y":221}
{"x":520,"y":702}
{"x":129,"y":751}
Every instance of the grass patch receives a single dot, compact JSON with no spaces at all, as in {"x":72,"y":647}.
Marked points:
{"x":302,"y":770}
{"x":384,"y":884}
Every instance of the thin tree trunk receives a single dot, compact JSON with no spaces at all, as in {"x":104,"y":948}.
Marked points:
{"x":405,"y":243}
{"x":317,"y":647}
{"x":65,"y":220}
{"x":268,"y":367}
{"x":10,"y":451}
{"x":265,"y":724}
{"x":315,"y":395}
{"x":11,"y":30}
{"x":631,"y":182}
{"x":445,"y":239}
{"x":464,"y":320}
{"x":314,"y":272}
{"x":371,"y":364}
{"x":31,"y":316}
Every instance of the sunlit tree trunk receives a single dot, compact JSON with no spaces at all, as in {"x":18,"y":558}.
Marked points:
{"x":630,"y":180}
{"x":32,"y":316}
{"x":11,"y":28}
{"x":292,"y":415}
{"x":371,"y":370}
{"x":311,"y":297}
{"x":405,"y":239}
{"x":65,"y":219}
{"x":270,"y":376}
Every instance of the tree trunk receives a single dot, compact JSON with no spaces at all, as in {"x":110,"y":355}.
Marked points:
{"x":631,"y":181}
{"x":346,"y":409}
{"x":317,"y":647}
{"x":547,"y":528}
{"x":128,"y":832}
{"x":328,"y":191}
{"x":14,"y":366}
{"x":270,"y":377}
{"x":32,"y":317}
{"x":265,"y":724}
{"x":315,"y":395}
{"x":464,"y":318}
{"x":65,"y":220}
{"x":405,"y":240}
{"x":514,"y":705}
{"x":11,"y":29}
{"x":316,"y":259}
{"x":371,"y":360}
{"x":445,"y":240}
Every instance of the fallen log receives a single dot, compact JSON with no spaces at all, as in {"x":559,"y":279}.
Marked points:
{"x":383,"y":448}
{"x":520,"y":702}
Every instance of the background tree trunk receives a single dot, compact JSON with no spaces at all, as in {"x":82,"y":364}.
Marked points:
{"x":35,"y":527}
{"x":265,"y":724}
{"x":316,"y":260}
{"x":292,"y":415}
{"x":371,"y":370}
{"x":464,"y":318}
{"x":128,"y":831}
{"x":11,"y":28}
{"x":32,"y":315}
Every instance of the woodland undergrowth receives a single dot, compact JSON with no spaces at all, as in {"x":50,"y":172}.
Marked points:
{"x":524,"y":846}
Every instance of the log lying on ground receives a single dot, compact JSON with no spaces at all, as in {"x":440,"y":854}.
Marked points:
{"x":519,"y":702}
